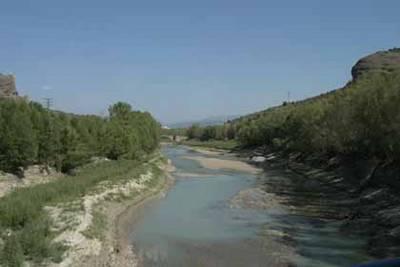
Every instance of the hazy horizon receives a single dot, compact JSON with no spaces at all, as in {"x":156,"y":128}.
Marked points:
{"x":188,"y":61}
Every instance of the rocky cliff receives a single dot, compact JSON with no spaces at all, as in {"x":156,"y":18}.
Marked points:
{"x":7,"y":86}
{"x":379,"y":62}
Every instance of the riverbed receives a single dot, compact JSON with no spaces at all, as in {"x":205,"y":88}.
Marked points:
{"x":221,"y":217}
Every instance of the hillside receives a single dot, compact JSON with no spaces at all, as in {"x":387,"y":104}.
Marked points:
{"x":345,"y":142}
{"x":381,"y":62}
{"x":360,"y":119}
{"x":211,"y":121}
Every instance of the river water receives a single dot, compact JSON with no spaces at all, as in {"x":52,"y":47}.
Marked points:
{"x":195,"y":224}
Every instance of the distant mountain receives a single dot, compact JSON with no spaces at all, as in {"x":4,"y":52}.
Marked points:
{"x":211,"y":121}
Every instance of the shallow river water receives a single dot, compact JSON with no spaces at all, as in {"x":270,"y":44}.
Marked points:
{"x":195,"y":224}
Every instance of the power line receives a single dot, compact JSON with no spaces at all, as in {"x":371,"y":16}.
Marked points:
{"x":48,"y":102}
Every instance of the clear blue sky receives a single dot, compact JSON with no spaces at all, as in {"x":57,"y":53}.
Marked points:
{"x":184,"y":60}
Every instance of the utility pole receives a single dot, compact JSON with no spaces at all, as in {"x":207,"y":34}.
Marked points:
{"x":48,"y":134}
{"x":48,"y":102}
{"x":288,"y":96}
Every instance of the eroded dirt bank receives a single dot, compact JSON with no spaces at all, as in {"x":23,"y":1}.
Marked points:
{"x":96,"y":233}
{"x":362,"y":195}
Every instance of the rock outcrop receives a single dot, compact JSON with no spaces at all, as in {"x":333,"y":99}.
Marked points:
{"x":379,"y":62}
{"x":7,"y":86}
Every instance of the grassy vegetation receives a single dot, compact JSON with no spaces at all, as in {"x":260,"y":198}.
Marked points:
{"x":172,"y":132}
{"x":215,"y":144}
{"x":98,"y":226}
{"x":26,"y":226}
{"x":361,"y":120}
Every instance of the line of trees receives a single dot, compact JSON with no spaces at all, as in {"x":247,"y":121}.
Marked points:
{"x":31,"y":134}
{"x":218,"y":132}
{"x":362,"y":119}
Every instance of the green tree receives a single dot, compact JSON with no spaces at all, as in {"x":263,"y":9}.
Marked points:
{"x":17,"y":138}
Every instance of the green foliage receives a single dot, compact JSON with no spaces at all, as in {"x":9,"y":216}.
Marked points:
{"x":214,"y":144}
{"x":36,"y":240}
{"x":31,"y":134}
{"x":129,"y":133}
{"x":22,"y":210}
{"x":208,"y":133}
{"x":362,"y":119}
{"x":219,"y":132}
{"x":98,"y":226}
{"x":17,"y":142}
{"x":194,"y":132}
{"x":12,"y":254}
{"x":173,"y":132}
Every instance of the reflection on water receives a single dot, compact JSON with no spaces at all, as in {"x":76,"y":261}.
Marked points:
{"x":194,"y":225}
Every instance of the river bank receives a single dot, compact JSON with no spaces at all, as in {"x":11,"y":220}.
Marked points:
{"x":360,"y":194}
{"x":73,"y":220}
{"x":113,"y":248}
{"x":200,"y":222}
{"x":229,"y":211}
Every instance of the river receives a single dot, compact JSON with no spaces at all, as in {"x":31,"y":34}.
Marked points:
{"x":198,"y":223}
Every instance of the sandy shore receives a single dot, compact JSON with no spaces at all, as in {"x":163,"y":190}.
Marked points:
{"x":225,"y":164}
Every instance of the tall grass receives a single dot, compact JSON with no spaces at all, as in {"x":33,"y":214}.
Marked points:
{"x":25,"y":224}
